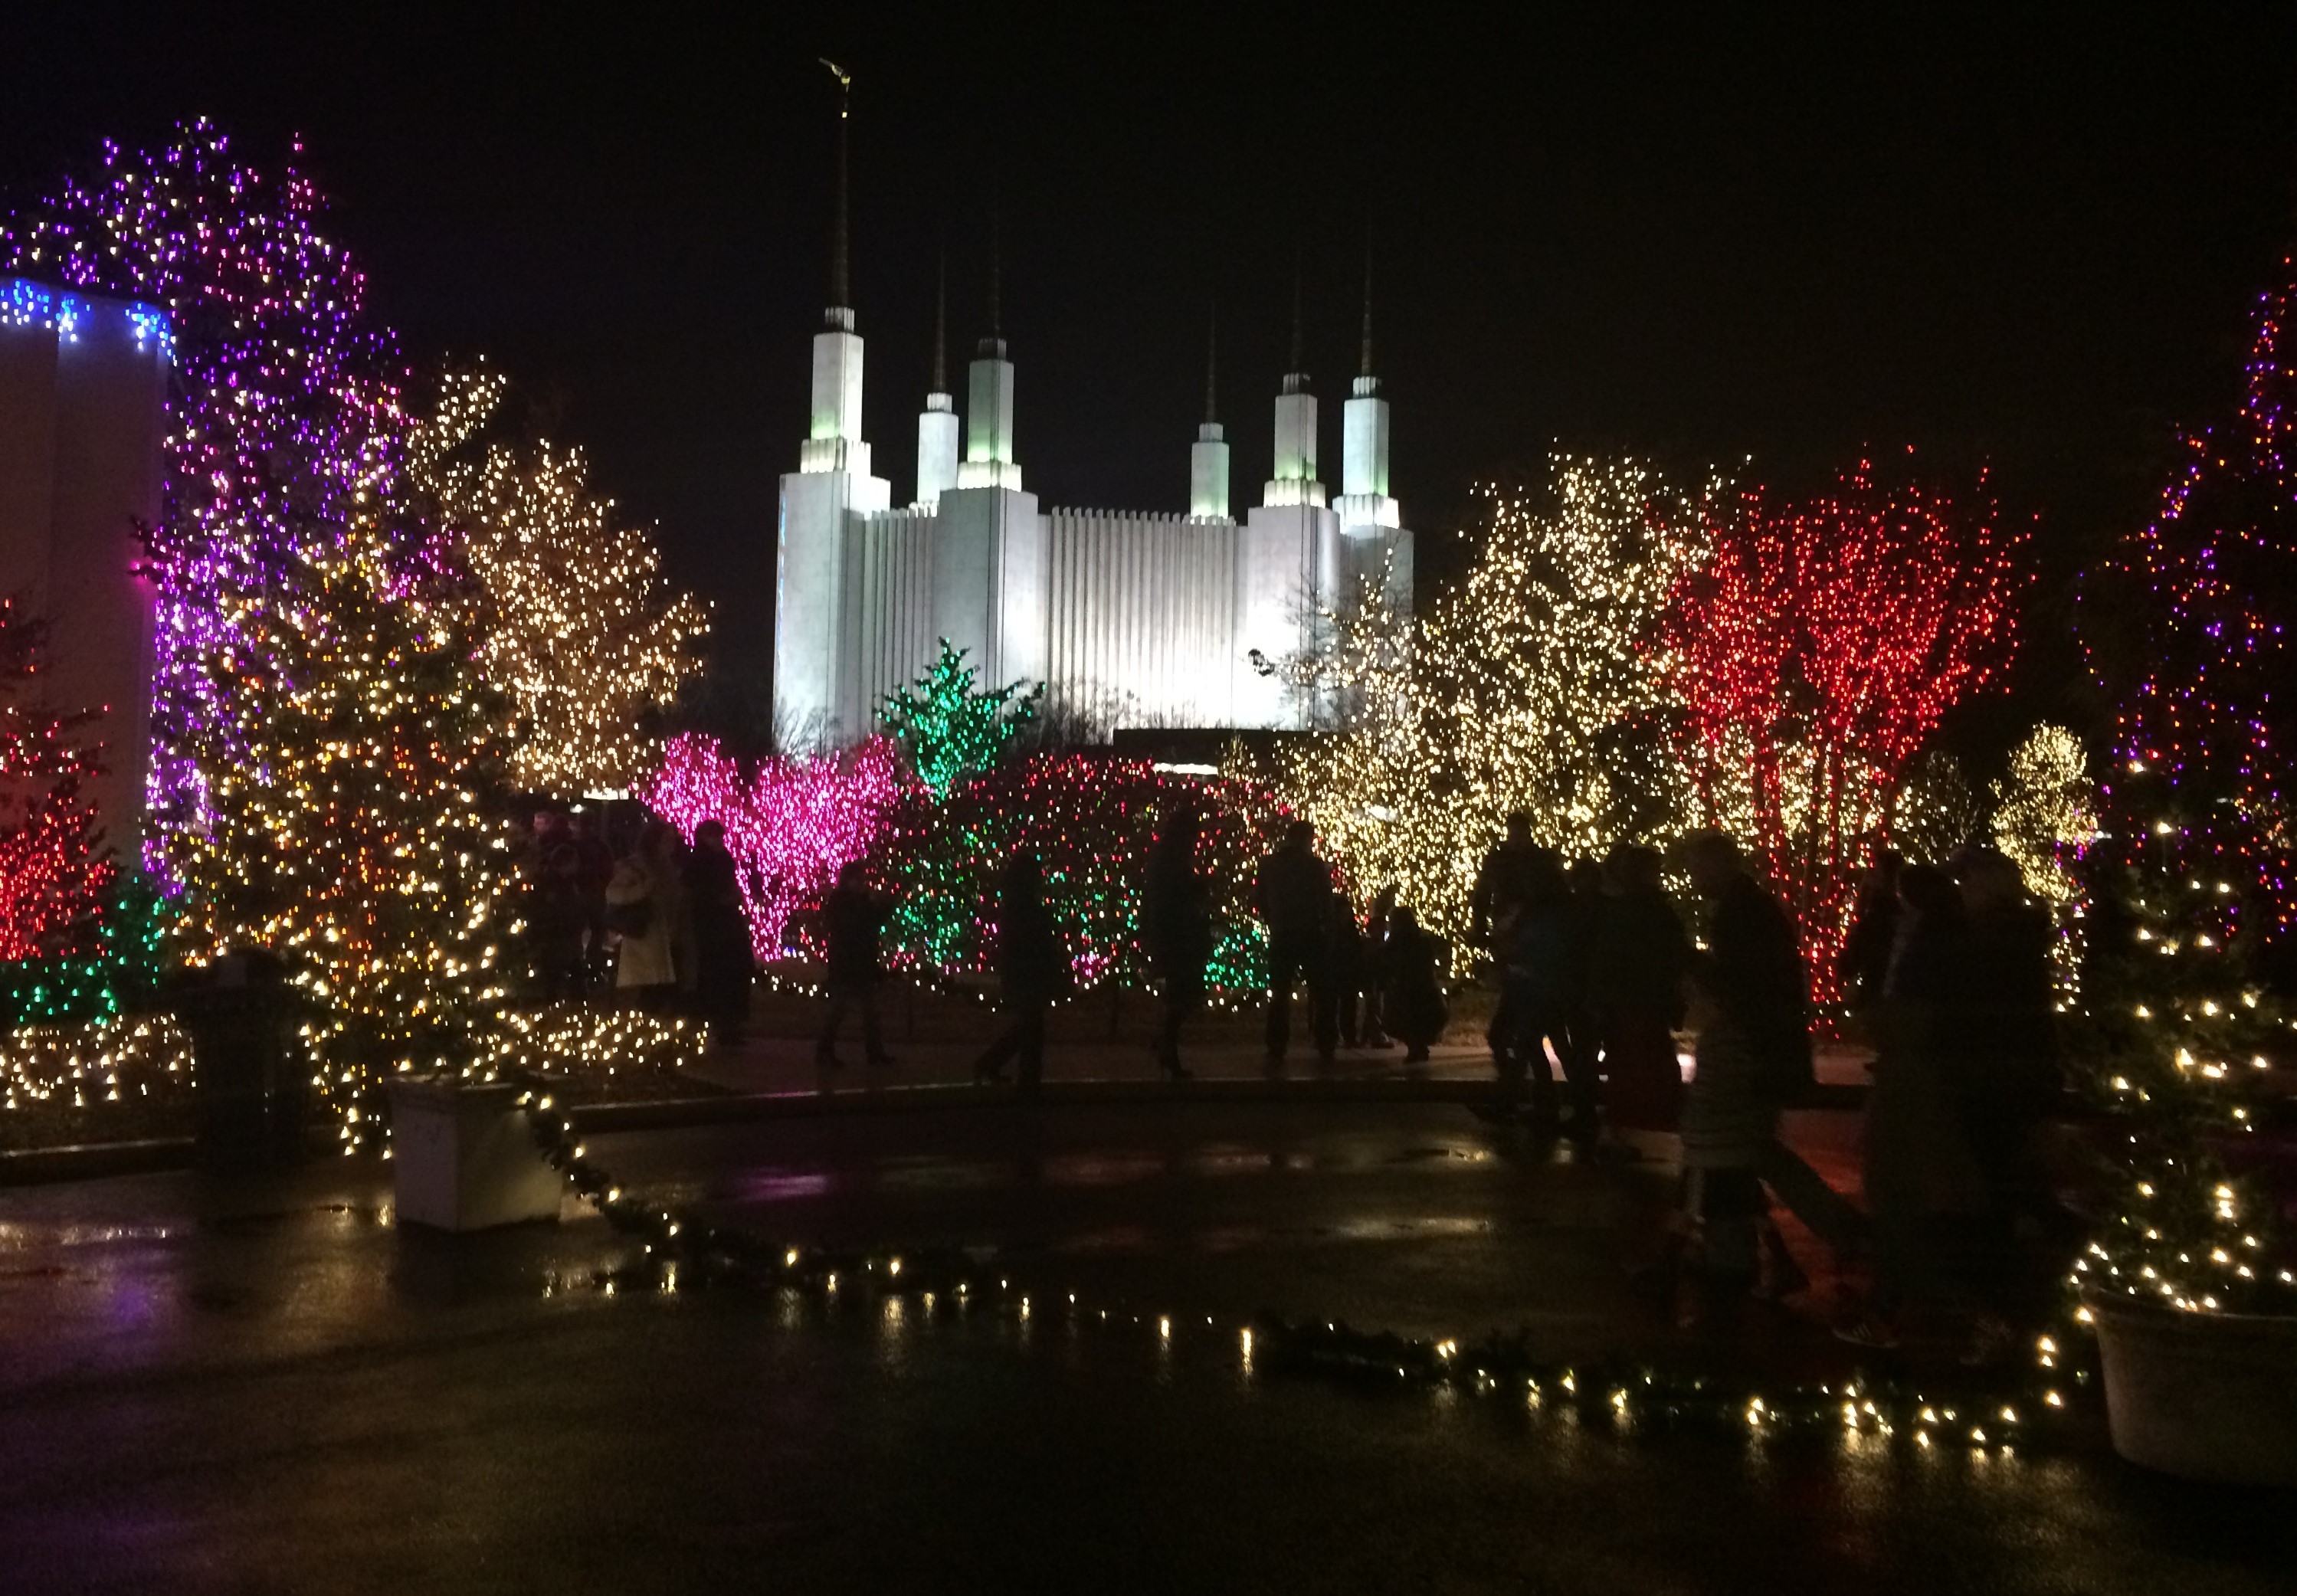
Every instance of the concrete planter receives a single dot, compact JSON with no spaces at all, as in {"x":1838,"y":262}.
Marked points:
{"x":2206,"y":1397}
{"x":462,"y":1158}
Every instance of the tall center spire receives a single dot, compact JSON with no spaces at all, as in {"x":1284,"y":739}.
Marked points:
{"x":841,"y":287}
{"x":940,"y":325}
{"x":1211,"y":366}
{"x":1364,"y":369}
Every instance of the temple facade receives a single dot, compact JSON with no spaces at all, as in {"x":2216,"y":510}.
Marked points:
{"x":1128,"y":617}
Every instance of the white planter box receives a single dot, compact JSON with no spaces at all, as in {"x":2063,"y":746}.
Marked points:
{"x":2208,"y":1396}
{"x":462,"y":1158}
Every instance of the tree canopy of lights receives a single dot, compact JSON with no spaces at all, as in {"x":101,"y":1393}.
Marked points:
{"x":1813,"y":655}
{"x":2181,"y":622}
{"x":1532,"y":685}
{"x":322,"y":752}
{"x":2046,"y":814}
{"x":2187,"y":625}
{"x":791,"y":820}
{"x":952,"y":729}
{"x":575,"y":629}
{"x":1938,"y":810}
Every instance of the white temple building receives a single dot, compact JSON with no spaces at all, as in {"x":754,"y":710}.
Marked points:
{"x":1128,"y":617}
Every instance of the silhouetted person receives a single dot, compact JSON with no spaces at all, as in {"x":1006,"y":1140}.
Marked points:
{"x":1177,"y":916}
{"x":1372,"y":1023}
{"x":595,"y":868}
{"x":1545,"y":987}
{"x":1351,"y":970}
{"x":1030,"y":969}
{"x":853,"y":917}
{"x":1753,"y":974}
{"x":1293,"y":896}
{"x":2007,"y":1077}
{"x":1922,"y":1184}
{"x":724,"y":962}
{"x":1503,"y":886}
{"x":1641,"y":954}
{"x":1865,"y":956}
{"x":1411,"y":996}
{"x":557,"y":921}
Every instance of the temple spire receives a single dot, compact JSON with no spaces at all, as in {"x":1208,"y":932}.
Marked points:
{"x":941,"y":327}
{"x":1299,"y":347}
{"x":995,"y":344}
{"x":1365,"y":369}
{"x":1211,"y":366}
{"x":841,"y":288}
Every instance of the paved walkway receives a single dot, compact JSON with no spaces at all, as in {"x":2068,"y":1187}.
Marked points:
{"x":270,"y":1386}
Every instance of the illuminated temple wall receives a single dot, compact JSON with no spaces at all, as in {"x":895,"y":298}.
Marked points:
{"x":82,"y":394}
{"x":1129,"y":618}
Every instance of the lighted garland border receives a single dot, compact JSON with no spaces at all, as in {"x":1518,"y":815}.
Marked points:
{"x":682,"y":1250}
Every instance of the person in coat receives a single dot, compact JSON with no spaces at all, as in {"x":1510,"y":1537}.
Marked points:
{"x":1635,"y":976}
{"x":724,"y":961}
{"x":853,"y":917}
{"x":1411,"y":996}
{"x":1922,"y":1182}
{"x":1505,"y":883}
{"x":1177,"y":916}
{"x":1032,"y":968}
{"x":1293,"y":898}
{"x":646,"y":900}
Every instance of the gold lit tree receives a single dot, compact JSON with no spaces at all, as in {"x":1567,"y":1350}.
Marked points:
{"x":1531,"y":685}
{"x":575,"y":629}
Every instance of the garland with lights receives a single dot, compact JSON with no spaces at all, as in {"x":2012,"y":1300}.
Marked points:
{"x":573,"y":632}
{"x":682,"y":1250}
{"x":1814,"y":654}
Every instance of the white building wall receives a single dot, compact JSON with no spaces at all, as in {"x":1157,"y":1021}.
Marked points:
{"x":1143,"y":628}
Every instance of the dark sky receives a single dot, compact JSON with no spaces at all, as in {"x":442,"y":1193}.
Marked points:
{"x":2028,"y":240}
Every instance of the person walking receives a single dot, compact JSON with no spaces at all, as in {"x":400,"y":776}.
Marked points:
{"x":853,"y":917}
{"x":644,"y":900}
{"x":1293,"y":896}
{"x":593,"y":870}
{"x":1865,"y":956}
{"x":1642,"y":955}
{"x":2009,"y":1078}
{"x":1752,"y":972}
{"x":1177,"y":915}
{"x":1030,"y":969}
{"x":724,"y":962}
{"x":1377,"y":923}
{"x":1730,"y":1119}
{"x":1545,"y":989}
{"x":1411,"y":997}
{"x":1503,"y":886}
{"x":1923,"y":1185}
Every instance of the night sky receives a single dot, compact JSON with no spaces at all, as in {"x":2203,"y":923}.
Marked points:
{"x":2028,"y":242}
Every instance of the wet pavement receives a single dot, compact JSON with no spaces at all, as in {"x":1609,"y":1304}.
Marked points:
{"x":269,"y":1386}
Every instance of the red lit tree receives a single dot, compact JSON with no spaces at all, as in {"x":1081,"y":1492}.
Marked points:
{"x":1814,"y":654}
{"x":53,"y":876}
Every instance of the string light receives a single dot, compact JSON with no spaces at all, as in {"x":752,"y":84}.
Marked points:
{"x":565,"y":593}
{"x":1815,"y":654}
{"x":2046,"y":814}
{"x":1530,"y":685}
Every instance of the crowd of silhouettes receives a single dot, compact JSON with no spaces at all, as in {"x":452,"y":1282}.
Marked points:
{"x":655,"y":923}
{"x":1946,"y":967}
